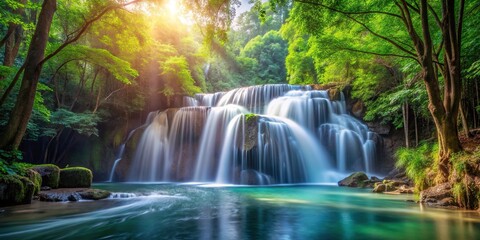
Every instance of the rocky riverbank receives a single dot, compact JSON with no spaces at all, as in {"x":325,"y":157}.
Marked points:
{"x":48,"y":183}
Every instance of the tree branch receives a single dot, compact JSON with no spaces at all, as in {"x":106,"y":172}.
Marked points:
{"x":79,"y":32}
{"x":437,"y":19}
{"x":12,"y":84}
{"x":378,"y":54}
{"x":347,"y":14}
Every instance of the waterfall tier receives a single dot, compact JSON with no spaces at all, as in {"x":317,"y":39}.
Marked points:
{"x":259,"y":135}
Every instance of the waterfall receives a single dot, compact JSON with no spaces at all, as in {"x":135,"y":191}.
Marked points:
{"x":258,"y":135}
{"x":120,"y":153}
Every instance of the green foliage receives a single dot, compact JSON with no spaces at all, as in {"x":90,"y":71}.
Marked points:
{"x":10,"y":156}
{"x":264,"y":56}
{"x":177,"y":77}
{"x":119,"y":68}
{"x":83,"y":123}
{"x":388,"y":106}
{"x":465,"y":169}
{"x":418,"y":163}
{"x":75,"y":177}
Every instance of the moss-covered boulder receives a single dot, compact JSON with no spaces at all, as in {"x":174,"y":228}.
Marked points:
{"x":15,"y":190}
{"x":249,"y":132}
{"x":356,"y":179}
{"x":94,"y":194}
{"x":50,"y":174}
{"x":36,"y":179}
{"x":75,"y":177}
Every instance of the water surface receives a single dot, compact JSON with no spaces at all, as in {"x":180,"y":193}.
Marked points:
{"x":186,"y":211}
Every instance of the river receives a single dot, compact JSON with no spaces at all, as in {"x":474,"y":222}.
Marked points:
{"x":195,"y":211}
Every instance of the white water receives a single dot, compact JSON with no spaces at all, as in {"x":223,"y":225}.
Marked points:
{"x":302,"y":137}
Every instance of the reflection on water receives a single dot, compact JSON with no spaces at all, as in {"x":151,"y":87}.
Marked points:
{"x":167,"y":211}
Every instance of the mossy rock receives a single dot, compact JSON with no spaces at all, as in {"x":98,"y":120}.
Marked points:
{"x":249,"y":132}
{"x":356,"y":179}
{"x":15,"y":190}
{"x":75,"y":177}
{"x":50,"y":174}
{"x":36,"y":178}
{"x":94,"y":194}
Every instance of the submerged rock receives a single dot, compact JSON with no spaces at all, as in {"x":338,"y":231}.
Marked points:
{"x":354,"y":180}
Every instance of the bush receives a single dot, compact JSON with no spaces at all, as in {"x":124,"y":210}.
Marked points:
{"x":74,"y":177}
{"x":465,"y":189}
{"x":50,"y":174}
{"x":418,"y":163}
{"x":13,"y":168}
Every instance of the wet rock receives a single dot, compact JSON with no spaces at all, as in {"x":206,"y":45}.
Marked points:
{"x":75,"y":177}
{"x":94,"y":194}
{"x":358,"y":109}
{"x":376,"y":179}
{"x":334,"y":94}
{"x":45,"y":188}
{"x":379,"y":128}
{"x":250,"y":128}
{"x":370,"y":183}
{"x":438,"y":196}
{"x":50,"y":174}
{"x":404,"y":189}
{"x":379,"y":188}
{"x":72,"y":194}
{"x":354,"y":180}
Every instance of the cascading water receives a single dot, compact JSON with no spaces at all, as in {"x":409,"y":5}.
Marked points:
{"x":303,"y":136}
{"x":149,"y":120}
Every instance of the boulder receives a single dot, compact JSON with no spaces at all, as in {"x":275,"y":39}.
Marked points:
{"x":379,"y":188}
{"x":73,"y":194}
{"x":370,"y":183}
{"x":358,"y":109}
{"x":50,"y":174}
{"x":250,"y":128}
{"x":15,"y":190}
{"x":94,"y":194}
{"x":75,"y":177}
{"x":354,"y":180}
{"x":438,"y":196}
{"x":36,"y":179}
{"x":334,"y":94}
{"x":58,"y":196}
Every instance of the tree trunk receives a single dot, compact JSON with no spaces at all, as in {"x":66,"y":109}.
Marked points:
{"x":17,"y":124}
{"x":14,"y":39}
{"x":466,"y":129}
{"x":405,"y":124}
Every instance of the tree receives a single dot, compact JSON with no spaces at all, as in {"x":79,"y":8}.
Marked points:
{"x":20,"y":115}
{"x":428,"y":33}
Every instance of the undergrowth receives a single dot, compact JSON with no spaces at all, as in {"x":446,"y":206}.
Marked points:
{"x":418,"y":163}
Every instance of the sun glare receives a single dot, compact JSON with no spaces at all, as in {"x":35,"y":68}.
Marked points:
{"x":173,"y":7}
{"x":176,"y":10}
